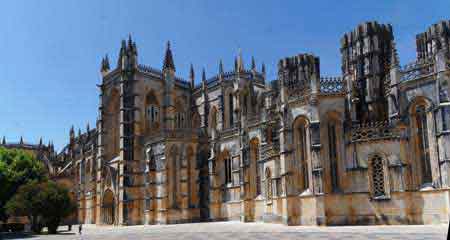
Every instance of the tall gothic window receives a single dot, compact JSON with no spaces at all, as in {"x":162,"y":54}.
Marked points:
{"x":179,"y":120}
{"x":302,"y":155}
{"x":269,"y":190}
{"x":152,"y":114}
{"x":152,"y":110}
{"x":423,"y":144}
{"x":254,"y":154}
{"x":228,"y":167}
{"x":333,"y":156}
{"x":230,"y":109}
{"x":378,"y":184}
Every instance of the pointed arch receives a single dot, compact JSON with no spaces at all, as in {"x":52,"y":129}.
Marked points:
{"x":113,"y":122}
{"x":254,"y":165}
{"x":152,"y":110}
{"x":108,"y":207}
{"x":334,"y":131}
{"x":301,"y":146}
{"x":421,"y":123}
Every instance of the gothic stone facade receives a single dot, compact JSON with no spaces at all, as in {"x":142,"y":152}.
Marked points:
{"x":368,"y":147}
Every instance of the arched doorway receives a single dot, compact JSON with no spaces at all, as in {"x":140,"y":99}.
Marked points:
{"x":108,"y":207}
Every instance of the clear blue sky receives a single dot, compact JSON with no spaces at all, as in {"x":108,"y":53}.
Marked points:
{"x":51,"y":50}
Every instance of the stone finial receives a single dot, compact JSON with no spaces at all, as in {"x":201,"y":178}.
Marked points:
{"x":79,"y":132}
{"x":105,"y":64}
{"x":168,"y":59}
{"x":40,"y":141}
{"x":21,"y":140}
{"x":263,"y":68}
{"x":72,"y":132}
{"x":88,"y":128}
{"x":241,"y":67}
{"x":203,"y":79}
{"x":192,"y":75}
{"x":235,"y":64}
{"x":220,"y":67}
{"x":4,"y":141}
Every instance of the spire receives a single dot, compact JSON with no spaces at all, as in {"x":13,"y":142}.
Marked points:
{"x":40,"y":141}
{"x":130,"y":41}
{"x":253,"y":64}
{"x":131,"y":45}
{"x":4,"y":141}
{"x":79,"y":132}
{"x":105,"y":64}
{"x":122,"y":52}
{"x":203,"y":79}
{"x":88,"y":128}
{"x":240,"y":62}
{"x":192,"y":75}
{"x":220,"y":67}
{"x":263,"y":68}
{"x":235,"y":64}
{"x":21,"y":140}
{"x":168,"y":59}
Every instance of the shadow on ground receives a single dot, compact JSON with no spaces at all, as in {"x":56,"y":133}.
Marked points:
{"x":30,"y":235}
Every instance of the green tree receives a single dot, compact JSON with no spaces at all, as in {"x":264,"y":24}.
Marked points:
{"x":17,"y":167}
{"x":45,"y":204}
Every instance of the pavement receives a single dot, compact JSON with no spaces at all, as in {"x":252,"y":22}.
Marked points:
{"x":238,"y":230}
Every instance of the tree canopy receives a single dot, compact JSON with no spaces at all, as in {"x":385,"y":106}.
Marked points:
{"x":17,"y":167}
{"x":44,"y":203}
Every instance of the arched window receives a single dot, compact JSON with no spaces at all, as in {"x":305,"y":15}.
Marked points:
{"x":230,"y":110}
{"x":113,"y":123}
{"x":179,"y":120}
{"x":332,"y":154}
{"x":213,"y":121}
{"x":301,"y":137}
{"x":254,"y":156}
{"x":269,"y":190}
{"x":377,"y":177}
{"x":152,"y":110}
{"x":228,"y":169}
{"x":422,"y":143}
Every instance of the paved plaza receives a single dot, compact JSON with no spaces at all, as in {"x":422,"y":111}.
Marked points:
{"x":237,"y":230}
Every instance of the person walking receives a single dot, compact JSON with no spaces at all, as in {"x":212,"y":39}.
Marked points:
{"x":80,"y":228}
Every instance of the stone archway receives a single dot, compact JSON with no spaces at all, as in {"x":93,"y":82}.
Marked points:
{"x":108,"y":207}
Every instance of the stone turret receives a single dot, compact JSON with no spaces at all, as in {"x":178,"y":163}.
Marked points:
{"x":127,"y":55}
{"x":299,"y":74}
{"x":436,"y":38}
{"x":366,"y":57}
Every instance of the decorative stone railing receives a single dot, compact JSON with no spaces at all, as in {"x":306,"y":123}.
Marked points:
{"x":416,"y":70}
{"x":332,"y":85}
{"x":373,"y":131}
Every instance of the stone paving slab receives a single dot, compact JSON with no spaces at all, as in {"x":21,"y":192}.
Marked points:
{"x":238,"y":230}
